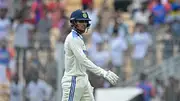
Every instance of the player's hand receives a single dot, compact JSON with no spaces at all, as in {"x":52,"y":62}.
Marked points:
{"x":111,"y":77}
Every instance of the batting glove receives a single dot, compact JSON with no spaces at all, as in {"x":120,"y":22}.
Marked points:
{"x":111,"y":77}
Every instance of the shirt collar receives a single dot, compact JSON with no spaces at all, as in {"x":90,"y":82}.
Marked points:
{"x":77,"y":33}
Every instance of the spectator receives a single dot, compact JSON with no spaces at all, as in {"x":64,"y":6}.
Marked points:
{"x":153,"y":51}
{"x":165,"y":3}
{"x":37,"y":8}
{"x":16,"y":89}
{"x":151,"y":4}
{"x":159,"y":89}
{"x":28,"y":16}
{"x":96,"y":37}
{"x":51,"y":72}
{"x":22,"y":32}
{"x":12,"y":60}
{"x":38,"y":90}
{"x":29,"y":73}
{"x":169,"y":94}
{"x":168,"y":45}
{"x":119,"y":25}
{"x":34,"y":61}
{"x":175,"y":27}
{"x":102,"y":56}
{"x":159,"y":13}
{"x":85,"y":3}
{"x":93,"y":14}
{"x":5,"y":55}
{"x":118,"y":46}
{"x":148,"y":89}
{"x":42,"y":31}
{"x":63,"y":25}
{"x":141,"y":41}
{"x":142,"y":16}
{"x":4,"y":61}
{"x":104,"y":16}
{"x":175,"y":5}
{"x":5,"y":23}
{"x":118,"y":4}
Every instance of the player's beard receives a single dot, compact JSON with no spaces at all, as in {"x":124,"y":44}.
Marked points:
{"x":81,"y":29}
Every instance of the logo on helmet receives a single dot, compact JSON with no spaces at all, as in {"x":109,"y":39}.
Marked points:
{"x":84,"y":15}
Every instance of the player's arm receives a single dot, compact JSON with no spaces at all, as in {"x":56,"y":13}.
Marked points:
{"x":81,"y":57}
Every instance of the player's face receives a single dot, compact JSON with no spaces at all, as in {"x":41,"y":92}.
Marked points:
{"x":82,"y":25}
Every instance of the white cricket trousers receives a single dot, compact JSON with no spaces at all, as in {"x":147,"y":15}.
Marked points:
{"x":77,"y":88}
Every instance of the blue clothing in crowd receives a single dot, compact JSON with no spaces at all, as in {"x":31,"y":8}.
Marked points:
{"x":159,"y":14}
{"x":148,"y":90}
{"x":4,"y":57}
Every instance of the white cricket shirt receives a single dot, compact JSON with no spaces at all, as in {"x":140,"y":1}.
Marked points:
{"x":76,"y":61}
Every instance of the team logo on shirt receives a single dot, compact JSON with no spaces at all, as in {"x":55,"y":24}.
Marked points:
{"x":84,"y":15}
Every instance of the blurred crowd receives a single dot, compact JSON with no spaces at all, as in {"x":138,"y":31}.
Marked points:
{"x":113,"y":41}
{"x":160,"y":90}
{"x":29,"y":42}
{"x":27,"y":61}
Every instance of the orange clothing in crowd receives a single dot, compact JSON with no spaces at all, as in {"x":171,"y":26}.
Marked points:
{"x":8,"y":70}
{"x":167,"y":6}
{"x":11,"y":52}
{"x":8,"y":74}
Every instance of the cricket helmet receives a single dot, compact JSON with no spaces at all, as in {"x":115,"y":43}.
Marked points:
{"x":78,"y":15}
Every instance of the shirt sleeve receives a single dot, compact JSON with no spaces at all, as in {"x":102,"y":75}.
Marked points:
{"x":77,"y":50}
